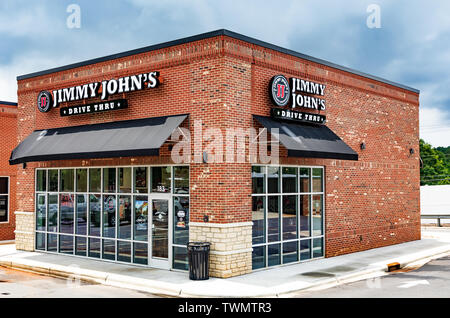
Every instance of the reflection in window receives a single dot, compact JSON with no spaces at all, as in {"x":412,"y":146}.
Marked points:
{"x":95,"y":214}
{"x":317,"y":214}
{"x":140,"y":253}
{"x":81,"y":214}
{"x":81,"y":180}
{"x":258,"y":218}
{"x":67,"y":180}
{"x":274,"y":254}
{"x":95,"y":180}
{"x":140,"y":180}
{"x":66,"y":244}
{"x":52,"y":210}
{"x":80,"y":246}
{"x":290,"y":252}
{"x":125,"y":217}
{"x":40,"y":241}
{"x":304,"y":180}
{"x":109,"y":216}
{"x":161,"y":177}
{"x":305,"y":220}
{"x":109,"y":250}
{"x":305,"y":250}
{"x":273,"y":179}
{"x":273,"y":218}
{"x":41,"y":182}
{"x":258,"y":177}
{"x":289,"y":217}
{"x":141,"y":218}
{"x":259,"y":257}
{"x":124,"y":251}
{"x":181,"y":220}
{"x":109,"y":180}
{"x":317,"y":180}
{"x":125,"y":180}
{"x":318,"y":247}
{"x":181,"y":180}
{"x":94,"y":247}
{"x":52,"y":242}
{"x":290,"y":180}
{"x":53,"y":180}
{"x":66,"y":212}
{"x":180,"y":258}
{"x":41,"y":212}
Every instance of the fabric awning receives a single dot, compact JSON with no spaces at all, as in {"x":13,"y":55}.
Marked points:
{"x":140,"y":137}
{"x":310,"y":141}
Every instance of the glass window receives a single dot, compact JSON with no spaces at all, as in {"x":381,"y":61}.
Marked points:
{"x":259,"y":257}
{"x":52,"y":211}
{"x":41,"y":212}
{"x":109,"y":250}
{"x":66,"y":212}
{"x":109,"y":216}
{"x":317,"y":214}
{"x":53,"y":180}
{"x":181,"y":220}
{"x":95,"y":180}
{"x":140,"y":180}
{"x":52,"y":242}
{"x":317,"y":247}
{"x":124,"y":251}
{"x":160,"y":228}
{"x":305,"y":219}
{"x":181,"y":180}
{"x":109,"y":180}
{"x":3,"y":208}
{"x":289,"y":217}
{"x":80,"y":246}
{"x":3,"y":185}
{"x":317,"y":180}
{"x":141,"y":218}
{"x":66,"y":244}
{"x":41,"y":182}
{"x":94,"y":247}
{"x":273,"y":218}
{"x":305,"y":250}
{"x":125,"y":180}
{"x":274,"y":254}
{"x":140,"y":253}
{"x":40,"y":241}
{"x":273,"y":179}
{"x":258,"y":218}
{"x":304,"y":180}
{"x":67,"y":180}
{"x":180,"y":258}
{"x":290,"y":252}
{"x":81,"y":180}
{"x":161,"y":177}
{"x":125,"y":217}
{"x":81,"y":215}
{"x":290,"y":180}
{"x":258,"y":179}
{"x":95,"y":213}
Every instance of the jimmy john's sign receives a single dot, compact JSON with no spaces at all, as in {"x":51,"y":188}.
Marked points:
{"x":103,"y":90}
{"x":298,"y":94}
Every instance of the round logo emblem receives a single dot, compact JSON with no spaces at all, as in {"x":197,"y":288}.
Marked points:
{"x":44,"y":101}
{"x":280,"y":90}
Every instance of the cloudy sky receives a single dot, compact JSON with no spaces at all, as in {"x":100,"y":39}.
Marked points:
{"x":412,"y":47}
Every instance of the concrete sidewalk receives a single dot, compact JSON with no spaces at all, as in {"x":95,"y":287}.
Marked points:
{"x":275,"y":282}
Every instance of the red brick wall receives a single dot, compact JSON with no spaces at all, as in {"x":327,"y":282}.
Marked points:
{"x":222,"y":81}
{"x":8,"y":133}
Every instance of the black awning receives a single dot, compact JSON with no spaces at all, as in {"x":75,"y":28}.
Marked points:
{"x":310,"y":141}
{"x":141,"y":137}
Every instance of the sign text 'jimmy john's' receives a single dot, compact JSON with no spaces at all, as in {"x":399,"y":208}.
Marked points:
{"x":298,"y":92}
{"x":102,"y":89}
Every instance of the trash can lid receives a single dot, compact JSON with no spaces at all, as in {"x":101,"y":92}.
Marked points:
{"x":199,"y":244}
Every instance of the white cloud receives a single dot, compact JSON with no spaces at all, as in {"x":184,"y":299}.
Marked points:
{"x":435,"y":126}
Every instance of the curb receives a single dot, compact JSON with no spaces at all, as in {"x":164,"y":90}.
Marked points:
{"x":176,"y":290}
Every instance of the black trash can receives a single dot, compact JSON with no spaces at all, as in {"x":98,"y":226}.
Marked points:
{"x":198,"y":255}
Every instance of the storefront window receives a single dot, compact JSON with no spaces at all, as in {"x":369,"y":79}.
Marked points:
{"x":161,"y":179}
{"x":125,"y":180}
{"x":104,"y":213}
{"x":290,"y":215}
{"x":140,"y":180}
{"x":181,"y":180}
{"x":4,"y":198}
{"x":81,"y":180}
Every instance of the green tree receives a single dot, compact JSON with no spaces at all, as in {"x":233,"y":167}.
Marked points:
{"x":435,"y":168}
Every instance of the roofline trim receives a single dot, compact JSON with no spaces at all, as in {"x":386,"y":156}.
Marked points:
{"x":212,"y":34}
{"x":7,"y":103}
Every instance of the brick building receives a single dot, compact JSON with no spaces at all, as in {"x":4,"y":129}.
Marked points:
{"x":337,"y":173}
{"x":8,"y":131}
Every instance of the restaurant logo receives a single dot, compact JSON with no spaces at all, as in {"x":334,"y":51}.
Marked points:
{"x":280,"y":90}
{"x":44,"y":101}
{"x":102,"y":90}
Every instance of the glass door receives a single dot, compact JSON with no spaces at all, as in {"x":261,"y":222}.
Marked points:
{"x":160,"y":231}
